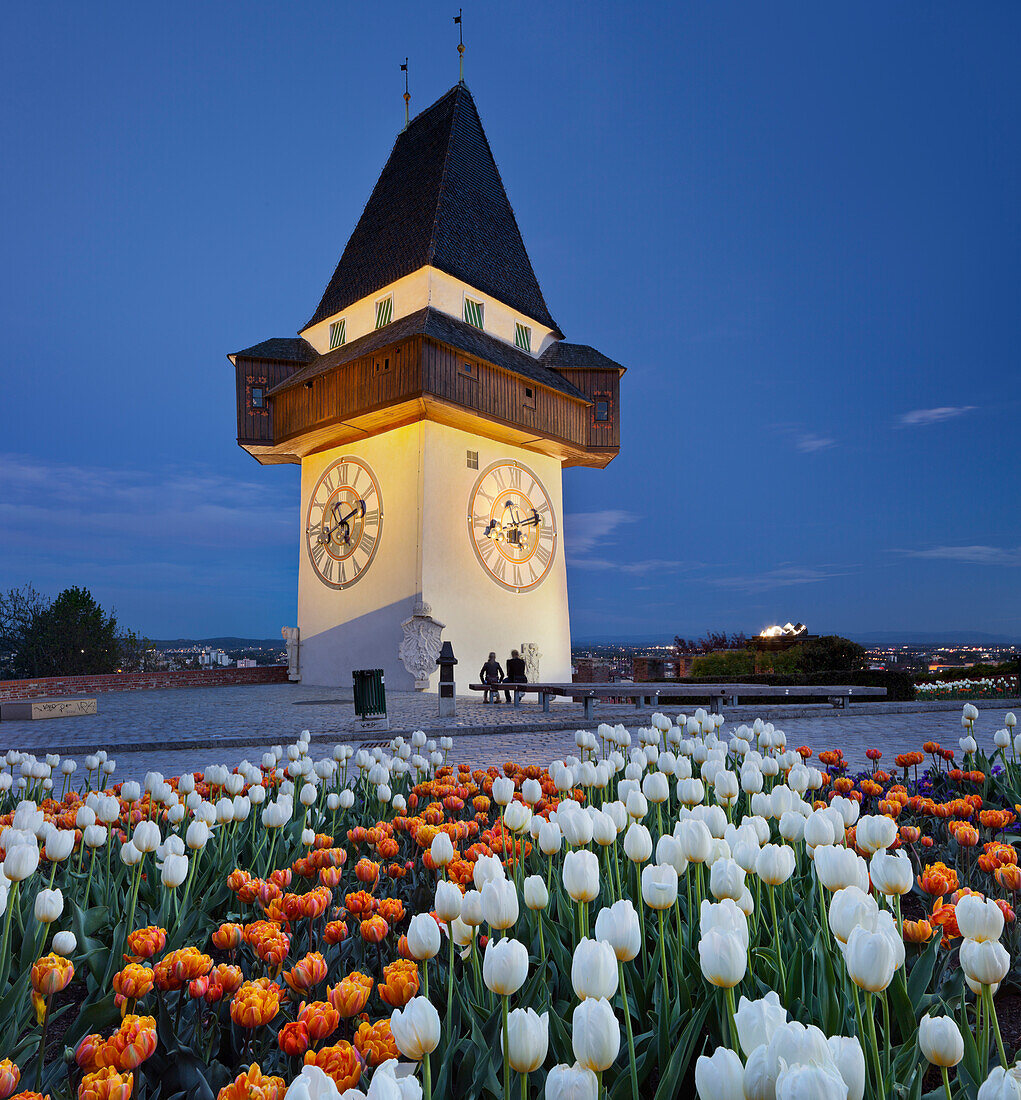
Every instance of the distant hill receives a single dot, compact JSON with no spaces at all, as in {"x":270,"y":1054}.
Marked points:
{"x":219,"y":643}
{"x":934,"y":637}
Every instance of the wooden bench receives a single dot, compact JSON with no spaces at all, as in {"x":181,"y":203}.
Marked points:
{"x":647,"y":695}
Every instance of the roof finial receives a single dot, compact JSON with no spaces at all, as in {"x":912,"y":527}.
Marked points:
{"x":460,"y":42}
{"x":407,"y":94}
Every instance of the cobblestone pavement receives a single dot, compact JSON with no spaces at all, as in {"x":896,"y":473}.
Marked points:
{"x":185,"y":728}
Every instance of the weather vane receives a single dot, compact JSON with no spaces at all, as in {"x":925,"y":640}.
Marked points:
{"x":407,"y":94}
{"x":460,"y":41}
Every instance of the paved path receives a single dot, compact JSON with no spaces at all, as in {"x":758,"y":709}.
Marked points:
{"x":188,"y":728}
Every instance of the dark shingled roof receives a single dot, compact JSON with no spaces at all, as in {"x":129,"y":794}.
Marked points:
{"x":447,"y":330}
{"x":560,"y":356}
{"x":440,"y":201}
{"x":288,"y":349}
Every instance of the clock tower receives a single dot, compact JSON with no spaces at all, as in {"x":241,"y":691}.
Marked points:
{"x":432,"y":402}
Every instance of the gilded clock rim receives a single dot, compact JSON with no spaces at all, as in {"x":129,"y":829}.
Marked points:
{"x":340,"y":586}
{"x":483,"y":474}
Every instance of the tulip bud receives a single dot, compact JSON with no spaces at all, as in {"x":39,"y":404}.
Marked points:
{"x":505,"y":966}
{"x":441,"y":850}
{"x":720,"y":1076}
{"x":423,"y":937}
{"x":49,"y":904}
{"x":637,"y":843}
{"x":528,"y":1039}
{"x":939,"y":1039}
{"x":594,"y":970}
{"x":619,"y":926}
{"x":65,"y":943}
{"x":175,"y":871}
{"x":575,"y":1082}
{"x":448,"y":900}
{"x":581,"y":875}
{"x":595,"y":1034}
{"x":536,"y":894}
{"x":416,"y":1028}
{"x":985,"y":962}
{"x":500,"y":903}
{"x":659,"y":885}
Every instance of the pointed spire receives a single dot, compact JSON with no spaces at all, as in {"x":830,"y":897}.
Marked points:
{"x":407,"y":94}
{"x":460,"y":44}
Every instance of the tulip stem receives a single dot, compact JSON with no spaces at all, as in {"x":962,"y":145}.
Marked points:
{"x":946,"y":1082}
{"x":662,"y":955}
{"x":427,"y":1083}
{"x":5,"y":955}
{"x":776,"y":944}
{"x":886,"y":1028}
{"x":987,"y":993}
{"x":630,"y":1033}
{"x":732,"y":1013}
{"x":524,"y":1086}
{"x":870,"y":1013}
{"x":506,"y":1047}
{"x":450,"y":974}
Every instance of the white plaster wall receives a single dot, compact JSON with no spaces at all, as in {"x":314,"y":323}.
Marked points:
{"x":480,"y":615}
{"x":360,"y":626}
{"x":428,"y":287}
{"x":424,"y":548}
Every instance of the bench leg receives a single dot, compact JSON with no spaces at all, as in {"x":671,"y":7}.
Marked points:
{"x":517,"y":698}
{"x":589,"y":701}
{"x":545,"y":703}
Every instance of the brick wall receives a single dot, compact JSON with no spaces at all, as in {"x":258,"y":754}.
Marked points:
{"x":139,"y":681}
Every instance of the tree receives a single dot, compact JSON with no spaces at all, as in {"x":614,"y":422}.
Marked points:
{"x":136,"y":653}
{"x":72,"y":636}
{"x":19,"y":609}
{"x":711,"y":642}
{"x":830,"y":653}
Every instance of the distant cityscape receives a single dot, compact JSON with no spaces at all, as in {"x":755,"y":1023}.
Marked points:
{"x":619,"y":657}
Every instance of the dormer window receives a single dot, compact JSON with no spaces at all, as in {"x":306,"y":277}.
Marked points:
{"x":522,"y":336}
{"x":338,"y":333}
{"x":384,"y":311}
{"x":474,"y":312}
{"x":258,"y":397}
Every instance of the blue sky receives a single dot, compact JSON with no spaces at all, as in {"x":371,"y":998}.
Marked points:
{"x":797,"y":225}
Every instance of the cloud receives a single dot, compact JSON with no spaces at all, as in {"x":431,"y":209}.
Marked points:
{"x":920,"y":417}
{"x":585,"y":532}
{"x":781,"y":577}
{"x":808,"y":443}
{"x":969,"y":555}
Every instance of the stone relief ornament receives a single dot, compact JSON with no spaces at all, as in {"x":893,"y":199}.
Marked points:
{"x":292,"y":639}
{"x":421,"y":644}
{"x":530,"y":655}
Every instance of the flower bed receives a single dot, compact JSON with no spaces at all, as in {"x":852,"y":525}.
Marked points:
{"x":1003,"y":687}
{"x":670,"y":909}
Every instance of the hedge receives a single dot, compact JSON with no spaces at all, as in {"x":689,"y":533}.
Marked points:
{"x":900,"y":686}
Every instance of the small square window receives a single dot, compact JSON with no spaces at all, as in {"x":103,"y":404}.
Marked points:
{"x":469,"y":369}
{"x":258,"y":397}
{"x":384,"y":311}
{"x":474,"y":312}
{"x":338,"y":333}
{"x":522,"y":336}
{"x":602,"y":411}
{"x":473,"y":460}
{"x":529,"y":401}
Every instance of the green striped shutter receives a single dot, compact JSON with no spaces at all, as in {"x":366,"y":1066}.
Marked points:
{"x":338,"y":333}
{"x":384,"y":311}
{"x":522,"y":336}
{"x":473,"y":312}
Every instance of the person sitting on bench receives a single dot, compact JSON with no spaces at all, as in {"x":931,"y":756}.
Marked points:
{"x":491,"y":674}
{"x":515,"y":671}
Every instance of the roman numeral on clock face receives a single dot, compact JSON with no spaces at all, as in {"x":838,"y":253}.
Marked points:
{"x":340,"y":539}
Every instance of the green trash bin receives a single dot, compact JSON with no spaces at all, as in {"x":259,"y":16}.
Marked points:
{"x":370,"y":693}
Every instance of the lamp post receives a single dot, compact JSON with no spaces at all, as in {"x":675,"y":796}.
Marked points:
{"x":447,"y":702}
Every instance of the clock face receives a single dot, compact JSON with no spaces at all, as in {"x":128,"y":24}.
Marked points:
{"x":344,"y":522}
{"x":511,"y":525}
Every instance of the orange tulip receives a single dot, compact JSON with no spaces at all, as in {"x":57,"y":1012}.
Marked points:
{"x":391,"y":910}
{"x":143,"y":943}
{"x":321,"y":1019}
{"x":351,"y":995}
{"x":945,"y":916}
{"x":1009,"y":877}
{"x":227,"y":937}
{"x":400,"y":983}
{"x":180,"y":967}
{"x":133,"y":982}
{"x":306,"y":973}
{"x":130,"y":1045}
{"x":256,"y":1003}
{"x":335,"y":932}
{"x":254,"y":1085}
{"x":105,"y":1084}
{"x":917,"y":931}
{"x":366,"y":871}
{"x":85,"y":1053}
{"x":374,"y":929}
{"x":10,"y":1075}
{"x":339,"y":1062}
{"x":293,"y":1038}
{"x":51,"y":974}
{"x":375,"y":1042}
{"x":938,"y":878}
